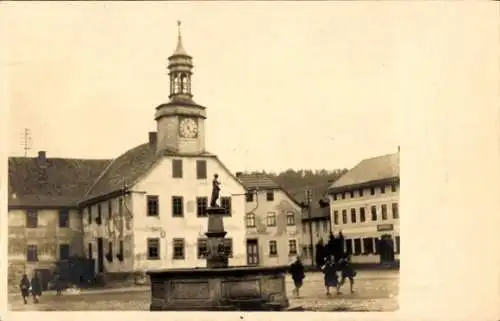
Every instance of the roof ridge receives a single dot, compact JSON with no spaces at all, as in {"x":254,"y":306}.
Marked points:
{"x":111,"y":162}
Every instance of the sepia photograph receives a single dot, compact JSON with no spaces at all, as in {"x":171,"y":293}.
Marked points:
{"x":181,"y":157}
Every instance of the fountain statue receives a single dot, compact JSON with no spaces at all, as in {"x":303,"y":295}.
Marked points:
{"x":219,"y":287}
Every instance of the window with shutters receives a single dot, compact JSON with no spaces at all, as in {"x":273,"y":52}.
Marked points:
{"x":201,"y":169}
{"x":177,"y":168}
{"x":63,"y":218}
{"x":152,"y":204}
{"x":31,"y":219}
{"x":177,"y":206}
{"x":201,"y":206}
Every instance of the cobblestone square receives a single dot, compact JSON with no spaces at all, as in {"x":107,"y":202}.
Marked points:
{"x":374,"y":291}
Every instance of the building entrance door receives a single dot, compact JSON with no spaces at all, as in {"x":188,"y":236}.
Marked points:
{"x":252,"y":252}
{"x":386,"y":249}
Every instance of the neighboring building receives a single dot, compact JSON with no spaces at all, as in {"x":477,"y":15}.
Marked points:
{"x":319,"y":221}
{"x":44,"y":223}
{"x":273,"y":222}
{"x":143,"y":210}
{"x":364,"y":204}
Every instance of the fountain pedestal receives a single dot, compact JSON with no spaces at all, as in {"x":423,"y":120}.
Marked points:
{"x":219,"y":287}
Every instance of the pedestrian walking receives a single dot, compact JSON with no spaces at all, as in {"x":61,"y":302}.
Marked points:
{"x":347,"y":272}
{"x":36,"y":288}
{"x":58,"y":284}
{"x":24,"y":287}
{"x":330,"y":272}
{"x":298,"y":275}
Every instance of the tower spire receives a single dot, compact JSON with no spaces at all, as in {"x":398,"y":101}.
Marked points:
{"x":179,"y":51}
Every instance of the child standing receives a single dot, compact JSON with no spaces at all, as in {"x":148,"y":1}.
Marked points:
{"x":347,"y":273}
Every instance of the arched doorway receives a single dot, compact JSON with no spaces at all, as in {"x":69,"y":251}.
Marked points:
{"x":386,"y":249}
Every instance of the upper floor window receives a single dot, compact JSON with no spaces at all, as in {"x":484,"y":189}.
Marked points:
{"x":201,"y":169}
{"x":249,"y":197}
{"x":334,"y":196}
{"x":270,"y":196}
{"x":395,"y":210}
{"x":382,"y":189}
{"x":225,"y":202}
{"x":290,"y":218}
{"x":360,"y":192}
{"x":271,"y":219}
{"x":372,"y":190}
{"x":316,"y":226}
{"x":177,"y":168}
{"x":343,"y":195}
{"x":153,"y":248}
{"x":353,"y":215}
{"x":63,"y":218}
{"x":32,"y":253}
{"x":344,"y":216}
{"x":177,"y":206}
{"x":273,"y":248}
{"x":362,"y":215}
{"x":178,"y":253}
{"x":31,"y":219}
{"x":374,"y":213}
{"x":110,"y":208}
{"x":202,"y":248}
{"x":292,"y":247}
{"x":336,"y":217}
{"x":201,"y":206}
{"x":250,"y":220}
{"x":352,"y":194}
{"x":152,"y":204}
{"x":384,"y":211}
{"x":325,"y":226}
{"x":64,"y":251}
{"x":393,"y":187}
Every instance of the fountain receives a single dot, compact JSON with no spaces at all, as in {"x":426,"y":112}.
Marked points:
{"x":219,"y":287}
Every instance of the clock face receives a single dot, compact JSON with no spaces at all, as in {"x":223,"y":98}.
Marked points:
{"x":188,"y":128}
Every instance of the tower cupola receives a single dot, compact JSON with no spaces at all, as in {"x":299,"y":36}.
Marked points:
{"x":180,"y":66}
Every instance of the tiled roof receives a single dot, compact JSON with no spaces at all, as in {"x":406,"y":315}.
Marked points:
{"x":318,"y":193}
{"x":370,"y":170}
{"x":53,"y":182}
{"x":127,"y":169}
{"x":261,"y":181}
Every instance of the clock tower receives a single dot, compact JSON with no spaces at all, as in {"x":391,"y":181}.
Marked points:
{"x":180,"y":121}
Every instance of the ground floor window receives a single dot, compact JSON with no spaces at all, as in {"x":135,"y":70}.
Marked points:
{"x":63,"y":251}
{"x":273,"y":248}
{"x":178,"y":252}
{"x":32,"y":253}
{"x":292,"y":247}
{"x":153,"y":249}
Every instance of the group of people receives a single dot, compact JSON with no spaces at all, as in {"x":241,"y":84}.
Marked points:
{"x":33,"y":287}
{"x":330,"y":269}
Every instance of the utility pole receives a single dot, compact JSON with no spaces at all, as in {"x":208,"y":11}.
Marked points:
{"x":308,"y":192}
{"x":26,"y":141}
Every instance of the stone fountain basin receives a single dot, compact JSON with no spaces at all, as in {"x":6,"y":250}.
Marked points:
{"x":242,"y":288}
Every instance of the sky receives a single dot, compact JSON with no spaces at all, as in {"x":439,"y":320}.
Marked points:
{"x":286,"y":85}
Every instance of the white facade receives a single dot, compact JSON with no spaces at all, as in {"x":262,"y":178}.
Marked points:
{"x":346,"y":211}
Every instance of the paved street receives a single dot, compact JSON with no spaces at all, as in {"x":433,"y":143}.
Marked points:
{"x":375,"y":291}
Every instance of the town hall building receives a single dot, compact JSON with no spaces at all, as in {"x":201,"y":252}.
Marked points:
{"x":144,"y":210}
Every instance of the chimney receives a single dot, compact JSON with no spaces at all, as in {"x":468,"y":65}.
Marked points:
{"x":42,"y":156}
{"x":152,"y":138}
{"x":238,"y":174}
